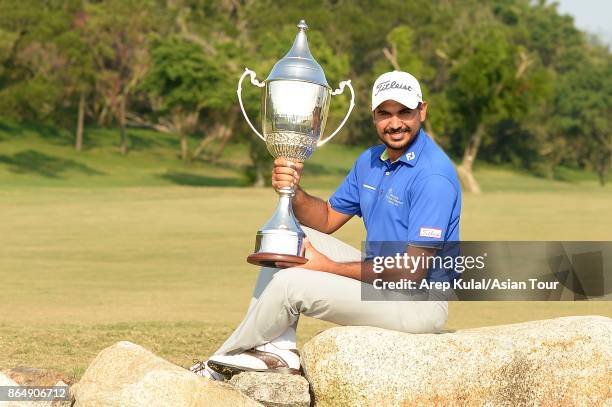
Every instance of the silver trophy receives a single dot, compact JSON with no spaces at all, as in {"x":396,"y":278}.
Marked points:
{"x":295,"y":103}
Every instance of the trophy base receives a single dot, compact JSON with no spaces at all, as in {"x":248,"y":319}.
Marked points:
{"x":270,"y":259}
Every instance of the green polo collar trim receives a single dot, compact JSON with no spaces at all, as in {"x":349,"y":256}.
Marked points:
{"x":385,"y":156}
{"x":411,"y":156}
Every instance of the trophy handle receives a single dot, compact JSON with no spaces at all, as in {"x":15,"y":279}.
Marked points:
{"x":338,"y":91}
{"x":255,"y":82}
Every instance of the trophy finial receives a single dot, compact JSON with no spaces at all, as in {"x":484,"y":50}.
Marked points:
{"x":299,"y":64}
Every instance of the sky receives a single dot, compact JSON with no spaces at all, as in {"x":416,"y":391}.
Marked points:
{"x":593,"y":16}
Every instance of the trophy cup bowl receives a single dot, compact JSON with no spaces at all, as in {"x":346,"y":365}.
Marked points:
{"x":295,"y":105}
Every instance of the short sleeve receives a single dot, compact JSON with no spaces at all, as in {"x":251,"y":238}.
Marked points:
{"x":432,"y":201}
{"x":346,"y":198}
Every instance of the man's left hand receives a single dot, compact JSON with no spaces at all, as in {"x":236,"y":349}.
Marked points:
{"x":317,"y":261}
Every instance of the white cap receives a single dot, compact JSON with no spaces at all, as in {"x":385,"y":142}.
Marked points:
{"x":399,"y":86}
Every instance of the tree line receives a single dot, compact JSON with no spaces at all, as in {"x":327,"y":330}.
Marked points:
{"x":508,"y":81}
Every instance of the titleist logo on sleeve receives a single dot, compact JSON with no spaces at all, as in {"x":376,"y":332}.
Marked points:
{"x":391,"y":85}
{"x":430,"y":232}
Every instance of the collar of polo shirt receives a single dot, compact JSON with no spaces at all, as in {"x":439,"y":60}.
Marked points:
{"x":411,"y":155}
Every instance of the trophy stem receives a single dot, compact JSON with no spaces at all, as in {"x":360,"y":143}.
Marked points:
{"x":283,"y":217}
{"x":281,"y":238}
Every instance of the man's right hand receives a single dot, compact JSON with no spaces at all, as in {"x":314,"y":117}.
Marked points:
{"x":309,"y":210}
{"x":286,"y":173}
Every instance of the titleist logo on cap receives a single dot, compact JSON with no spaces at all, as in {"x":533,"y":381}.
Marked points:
{"x":391,"y":85}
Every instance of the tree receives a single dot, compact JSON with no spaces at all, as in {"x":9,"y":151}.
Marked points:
{"x":182,"y":82}
{"x":214,"y":27}
{"x":585,"y":102}
{"x":498,"y":76}
{"x":31,"y":86}
{"x":79,"y":76}
{"x":491,"y":80}
{"x":117,"y":35}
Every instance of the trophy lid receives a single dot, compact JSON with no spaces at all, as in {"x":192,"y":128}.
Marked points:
{"x":299,"y":64}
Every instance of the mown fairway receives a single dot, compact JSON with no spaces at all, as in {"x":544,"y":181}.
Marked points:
{"x":164,"y":266}
{"x":84,"y":264}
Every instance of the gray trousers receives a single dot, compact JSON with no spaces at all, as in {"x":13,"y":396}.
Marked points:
{"x":280,"y":296}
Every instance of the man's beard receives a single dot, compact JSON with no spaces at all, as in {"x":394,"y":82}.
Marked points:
{"x":402,"y":146}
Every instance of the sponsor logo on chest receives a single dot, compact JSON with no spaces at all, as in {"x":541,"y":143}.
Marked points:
{"x":393,"y":199}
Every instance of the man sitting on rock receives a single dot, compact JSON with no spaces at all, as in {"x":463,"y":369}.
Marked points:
{"x":405,"y":189}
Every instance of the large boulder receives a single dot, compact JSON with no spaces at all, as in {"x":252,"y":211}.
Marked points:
{"x":128,"y":375}
{"x":564,"y":361}
{"x":273,"y":389}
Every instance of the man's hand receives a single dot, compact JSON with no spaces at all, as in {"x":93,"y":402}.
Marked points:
{"x":309,"y":210}
{"x":317,"y":261}
{"x":357,"y":270}
{"x":286,"y":173}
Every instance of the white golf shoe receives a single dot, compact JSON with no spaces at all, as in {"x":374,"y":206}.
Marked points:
{"x":263,"y":358}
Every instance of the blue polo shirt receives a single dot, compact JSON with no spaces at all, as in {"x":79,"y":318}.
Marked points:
{"x":416,"y":199}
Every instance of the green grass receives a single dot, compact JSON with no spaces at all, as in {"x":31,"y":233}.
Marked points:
{"x":28,"y":159}
{"x":37,"y":156}
{"x":97,"y":248}
{"x":41,"y":156}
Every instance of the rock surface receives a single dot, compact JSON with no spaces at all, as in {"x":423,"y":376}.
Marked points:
{"x":128,"y":375}
{"x":5,"y":380}
{"x":274,"y":389}
{"x":564,"y":361}
{"x":30,"y":376}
